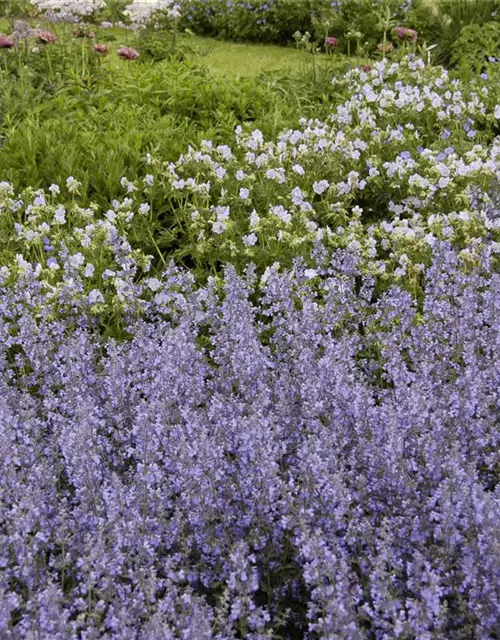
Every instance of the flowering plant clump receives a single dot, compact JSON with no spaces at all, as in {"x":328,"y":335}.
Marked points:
{"x":251,"y":464}
{"x":142,"y":13}
{"x":78,"y":256}
{"x":364,"y":22}
{"x":69,"y":10}
{"x":372,"y":174}
{"x":254,"y":392}
{"x":22,"y":31}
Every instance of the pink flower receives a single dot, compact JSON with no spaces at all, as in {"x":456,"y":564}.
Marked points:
{"x":5,"y":43}
{"x":127,"y":53}
{"x":331,"y":42}
{"x":100,"y":48}
{"x":406,"y":35}
{"x":46,"y":37}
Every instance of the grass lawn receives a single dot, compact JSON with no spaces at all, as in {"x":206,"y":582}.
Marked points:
{"x":237,"y":59}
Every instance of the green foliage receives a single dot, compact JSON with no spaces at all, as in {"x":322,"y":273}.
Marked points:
{"x":476,"y":45}
{"x":66,"y":111}
{"x":10,"y":8}
{"x":114,"y":11}
{"x":441,"y":22}
{"x":161,"y":45}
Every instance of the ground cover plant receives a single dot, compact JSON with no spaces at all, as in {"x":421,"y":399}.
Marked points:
{"x":249,"y":323}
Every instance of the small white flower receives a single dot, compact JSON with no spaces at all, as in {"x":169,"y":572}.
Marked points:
{"x":126,"y":184}
{"x":89,"y":271}
{"x":153,"y":283}
{"x":72,"y":184}
{"x":4,"y":274}
{"x":297,"y":196}
{"x":95,"y":296}
{"x":60,"y":215}
{"x":280,"y":212}
{"x":310,"y":273}
{"x":76,"y":260}
{"x":321,"y":186}
{"x":54,"y":189}
{"x":254,"y":219}
{"x":250,"y":240}
{"x":244,"y":193}
{"x":144,"y":208}
{"x":222,"y":213}
{"x":218,"y":227}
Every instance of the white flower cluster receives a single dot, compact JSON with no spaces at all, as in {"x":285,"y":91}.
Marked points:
{"x":70,"y":10}
{"x":141,"y":12}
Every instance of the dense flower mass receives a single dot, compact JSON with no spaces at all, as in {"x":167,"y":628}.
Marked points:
{"x":253,"y":463}
{"x":373,"y":177}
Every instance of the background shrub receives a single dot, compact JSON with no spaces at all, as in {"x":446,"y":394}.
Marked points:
{"x":441,"y":23}
{"x":477,"y":45}
{"x":259,"y":20}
